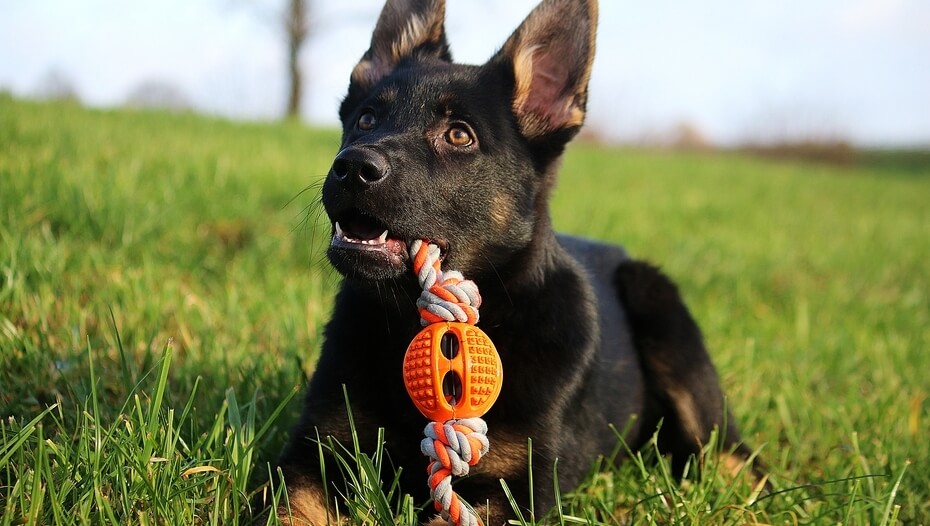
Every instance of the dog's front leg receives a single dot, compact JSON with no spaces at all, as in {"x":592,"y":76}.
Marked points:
{"x":306,"y":504}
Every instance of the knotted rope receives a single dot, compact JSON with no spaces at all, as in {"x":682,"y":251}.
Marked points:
{"x":454,"y":445}
{"x":446,"y":296}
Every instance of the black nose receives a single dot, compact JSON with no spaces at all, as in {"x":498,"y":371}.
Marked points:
{"x":360,"y":166}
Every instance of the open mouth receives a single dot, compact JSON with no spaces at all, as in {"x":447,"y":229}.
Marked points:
{"x":357,"y":231}
{"x":364,"y":246}
{"x":354,"y":238}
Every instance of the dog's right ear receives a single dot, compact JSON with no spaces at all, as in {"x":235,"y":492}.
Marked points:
{"x":405,"y":28}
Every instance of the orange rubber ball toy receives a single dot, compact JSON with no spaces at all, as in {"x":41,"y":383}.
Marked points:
{"x":452,"y":370}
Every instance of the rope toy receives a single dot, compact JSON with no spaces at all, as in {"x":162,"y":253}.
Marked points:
{"x":453,"y":374}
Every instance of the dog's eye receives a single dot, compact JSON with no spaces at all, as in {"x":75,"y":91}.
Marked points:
{"x":367,"y":121}
{"x":459,"y":136}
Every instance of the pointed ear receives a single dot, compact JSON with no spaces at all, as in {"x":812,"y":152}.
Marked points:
{"x":551,"y":55}
{"x":405,"y":28}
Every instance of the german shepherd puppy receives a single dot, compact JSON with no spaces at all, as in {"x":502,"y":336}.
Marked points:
{"x":466,"y":157}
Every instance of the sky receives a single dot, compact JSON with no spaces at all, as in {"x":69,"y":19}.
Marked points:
{"x":736,"y":70}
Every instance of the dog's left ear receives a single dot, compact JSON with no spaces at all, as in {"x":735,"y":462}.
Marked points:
{"x":550,"y":55}
{"x":405,"y":28}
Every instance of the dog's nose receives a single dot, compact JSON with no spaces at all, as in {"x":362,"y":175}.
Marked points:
{"x":360,"y":166}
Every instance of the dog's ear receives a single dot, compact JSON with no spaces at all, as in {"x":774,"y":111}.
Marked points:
{"x":405,"y":28}
{"x":550,"y":55}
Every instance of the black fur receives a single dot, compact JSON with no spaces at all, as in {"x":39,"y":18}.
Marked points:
{"x":588,"y":336}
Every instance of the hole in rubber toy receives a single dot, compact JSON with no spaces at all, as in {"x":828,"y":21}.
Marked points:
{"x":449,"y":345}
{"x":452,"y":387}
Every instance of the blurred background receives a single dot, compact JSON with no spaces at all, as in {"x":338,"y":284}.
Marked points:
{"x":756,"y":74}
{"x":136,"y":241}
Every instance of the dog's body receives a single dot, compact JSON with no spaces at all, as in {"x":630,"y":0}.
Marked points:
{"x":465,"y":156}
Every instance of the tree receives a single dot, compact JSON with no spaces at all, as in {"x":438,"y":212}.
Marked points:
{"x":296,"y":28}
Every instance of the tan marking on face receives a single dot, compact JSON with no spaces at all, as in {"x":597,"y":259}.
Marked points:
{"x":501,"y":211}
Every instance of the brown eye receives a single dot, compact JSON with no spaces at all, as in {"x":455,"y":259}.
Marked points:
{"x":367,"y":121}
{"x":459,"y":136}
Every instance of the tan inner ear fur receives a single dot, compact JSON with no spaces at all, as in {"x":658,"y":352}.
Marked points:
{"x":390,"y":44}
{"x":531,"y":44}
{"x":532,"y":123}
{"x":419,"y":30}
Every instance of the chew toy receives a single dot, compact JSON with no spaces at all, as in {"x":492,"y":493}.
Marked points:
{"x":453,"y":374}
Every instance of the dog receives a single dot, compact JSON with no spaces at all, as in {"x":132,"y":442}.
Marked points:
{"x":466,"y":157}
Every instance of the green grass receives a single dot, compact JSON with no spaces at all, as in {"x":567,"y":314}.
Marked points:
{"x":163,"y":290}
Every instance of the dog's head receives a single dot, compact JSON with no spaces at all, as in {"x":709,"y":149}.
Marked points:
{"x":463,"y":156}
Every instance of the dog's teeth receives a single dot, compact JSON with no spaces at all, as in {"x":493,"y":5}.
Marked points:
{"x":340,"y":234}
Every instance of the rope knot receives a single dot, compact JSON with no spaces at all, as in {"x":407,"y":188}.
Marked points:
{"x":446,"y":296}
{"x":454,"y":446}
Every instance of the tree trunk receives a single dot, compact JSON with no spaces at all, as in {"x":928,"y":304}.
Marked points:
{"x":296,"y":24}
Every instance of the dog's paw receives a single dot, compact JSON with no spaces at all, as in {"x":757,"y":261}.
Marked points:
{"x":306,"y":507}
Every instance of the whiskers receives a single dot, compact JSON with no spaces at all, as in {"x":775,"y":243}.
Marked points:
{"x":402,"y":299}
{"x":312,"y":221}
{"x":499,"y":278}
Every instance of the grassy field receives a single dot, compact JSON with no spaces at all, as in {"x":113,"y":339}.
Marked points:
{"x":163,"y":288}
